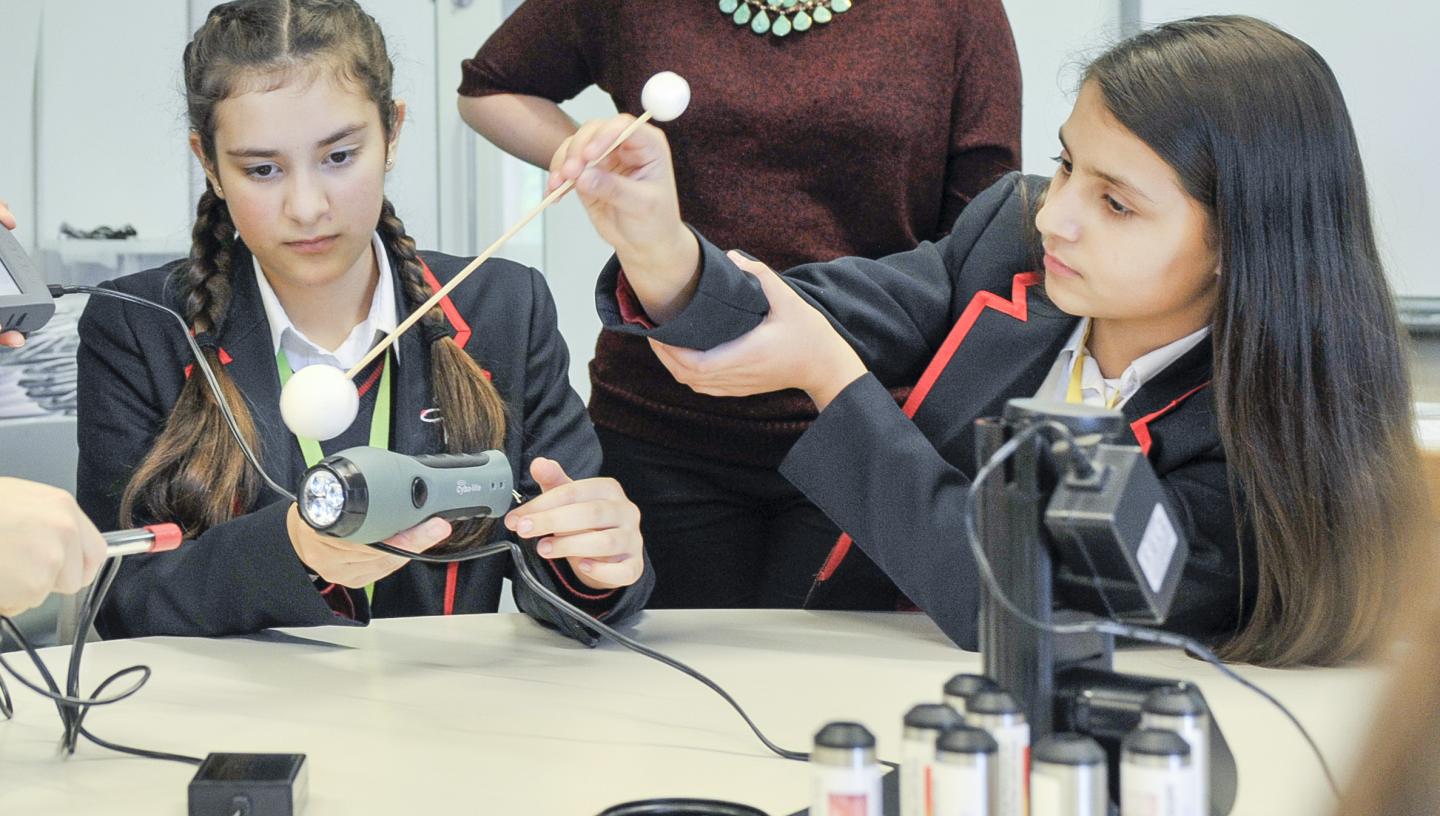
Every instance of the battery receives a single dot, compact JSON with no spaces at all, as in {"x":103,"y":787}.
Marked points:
{"x":845,"y":777}
{"x":1155,"y":770}
{"x":1181,"y":709}
{"x":923,"y":725}
{"x":963,"y":774}
{"x":1068,"y":777}
{"x":997,"y":713}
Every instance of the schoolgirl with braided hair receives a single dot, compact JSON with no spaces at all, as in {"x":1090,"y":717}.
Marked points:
{"x":298,"y":258}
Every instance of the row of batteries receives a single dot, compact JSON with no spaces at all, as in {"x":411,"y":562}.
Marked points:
{"x":971,"y":756}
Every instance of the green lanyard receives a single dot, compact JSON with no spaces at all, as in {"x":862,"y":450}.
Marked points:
{"x":379,"y":423}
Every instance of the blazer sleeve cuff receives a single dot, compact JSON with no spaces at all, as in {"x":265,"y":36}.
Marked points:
{"x":728,"y":302}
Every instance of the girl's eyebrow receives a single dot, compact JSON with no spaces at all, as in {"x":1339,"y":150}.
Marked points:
{"x":1110,"y":177}
{"x":342,"y":133}
{"x":269,"y":153}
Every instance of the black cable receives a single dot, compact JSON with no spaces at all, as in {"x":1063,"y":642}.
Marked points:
{"x":1102,"y":626}
{"x":569,"y":610}
{"x":589,"y":621}
{"x":7,"y":705}
{"x":53,"y":693}
{"x":74,"y":708}
{"x":141,"y":752}
{"x":57,"y":290}
{"x":522,"y":568}
{"x":99,"y":588}
{"x":71,"y":706}
{"x":89,"y":612}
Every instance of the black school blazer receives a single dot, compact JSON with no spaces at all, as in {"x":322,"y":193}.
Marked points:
{"x":243,"y":575}
{"x":966,"y":321}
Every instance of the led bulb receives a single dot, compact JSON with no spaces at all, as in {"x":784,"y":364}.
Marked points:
{"x":322,"y":499}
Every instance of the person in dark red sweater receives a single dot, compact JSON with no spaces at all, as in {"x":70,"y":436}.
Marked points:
{"x":863,"y":135}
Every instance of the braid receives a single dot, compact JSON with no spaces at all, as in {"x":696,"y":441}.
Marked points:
{"x":402,"y":247}
{"x":205,"y":287}
{"x":472,"y":410}
{"x":195,"y":474}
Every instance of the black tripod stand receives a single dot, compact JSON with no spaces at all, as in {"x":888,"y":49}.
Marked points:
{"x":1066,"y":682}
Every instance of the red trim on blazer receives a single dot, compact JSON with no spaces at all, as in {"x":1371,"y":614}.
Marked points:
{"x":462,"y":336}
{"x":1017,"y":307}
{"x":372,"y":379}
{"x":630,"y":309}
{"x":452,"y":314}
{"x":1141,"y":426}
{"x":225,"y":359}
{"x":452,"y":575}
{"x":344,"y":593}
{"x":573,"y":591}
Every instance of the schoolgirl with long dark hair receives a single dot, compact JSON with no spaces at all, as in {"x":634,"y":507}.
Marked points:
{"x":1203,"y":260}
{"x":299,"y":259}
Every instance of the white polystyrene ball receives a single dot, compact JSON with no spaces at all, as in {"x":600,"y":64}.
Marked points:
{"x":319,"y":402}
{"x":666,"y":95}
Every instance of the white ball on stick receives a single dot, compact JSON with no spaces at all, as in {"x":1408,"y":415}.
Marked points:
{"x":665,"y":96}
{"x":319,"y":402}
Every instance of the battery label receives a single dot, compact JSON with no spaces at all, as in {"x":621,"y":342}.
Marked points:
{"x":848,"y":804}
{"x":845,"y":791}
{"x":962,"y":790}
{"x":1154,"y":792}
{"x":1013,"y":785}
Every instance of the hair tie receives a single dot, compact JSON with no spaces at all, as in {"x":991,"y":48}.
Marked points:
{"x":436,"y":330}
{"x":206,"y":341}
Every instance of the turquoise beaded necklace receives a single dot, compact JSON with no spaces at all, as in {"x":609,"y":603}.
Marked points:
{"x":788,"y":15}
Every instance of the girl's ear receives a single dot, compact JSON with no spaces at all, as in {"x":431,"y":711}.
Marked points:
{"x":199,"y":151}
{"x":395,"y":126}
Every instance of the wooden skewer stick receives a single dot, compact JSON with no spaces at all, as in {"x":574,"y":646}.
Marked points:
{"x":485,"y":256}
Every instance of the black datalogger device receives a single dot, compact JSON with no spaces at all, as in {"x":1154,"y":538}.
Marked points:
{"x":25,"y":302}
{"x":250,"y":785}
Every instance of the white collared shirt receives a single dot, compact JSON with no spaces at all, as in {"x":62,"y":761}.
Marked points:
{"x":301,"y":351}
{"x":1095,"y":388}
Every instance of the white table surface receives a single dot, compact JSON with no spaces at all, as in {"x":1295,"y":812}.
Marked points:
{"x":492,"y":714}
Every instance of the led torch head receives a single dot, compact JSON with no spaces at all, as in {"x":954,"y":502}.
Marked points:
{"x":332,"y":490}
{"x":368,"y":494}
